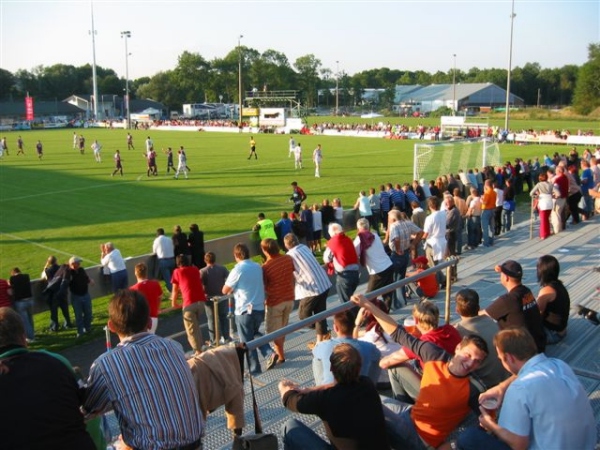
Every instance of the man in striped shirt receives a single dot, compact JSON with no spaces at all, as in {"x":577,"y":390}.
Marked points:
{"x":147,"y":382}
{"x":312,"y":283}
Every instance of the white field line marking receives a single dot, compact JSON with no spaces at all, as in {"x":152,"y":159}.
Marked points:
{"x":52,"y":249}
{"x":83,"y":188}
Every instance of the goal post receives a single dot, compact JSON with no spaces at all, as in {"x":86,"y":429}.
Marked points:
{"x":440,"y":158}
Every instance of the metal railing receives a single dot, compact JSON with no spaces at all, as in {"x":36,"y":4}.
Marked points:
{"x":448,"y":264}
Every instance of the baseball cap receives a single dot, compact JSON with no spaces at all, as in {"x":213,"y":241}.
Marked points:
{"x":420,"y":260}
{"x":74,"y":259}
{"x":511,"y":268}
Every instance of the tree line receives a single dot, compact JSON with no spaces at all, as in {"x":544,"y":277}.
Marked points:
{"x":196,"y":80}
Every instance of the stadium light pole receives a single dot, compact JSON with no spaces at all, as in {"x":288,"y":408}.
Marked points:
{"x":94,"y":77}
{"x":337,"y":88}
{"x":240,"y":80}
{"x":507,"y":112}
{"x":454,"y":105}
{"x":126,"y":35}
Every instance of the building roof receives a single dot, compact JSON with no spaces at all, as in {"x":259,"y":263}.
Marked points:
{"x":465,"y":93}
{"x":40,"y":108}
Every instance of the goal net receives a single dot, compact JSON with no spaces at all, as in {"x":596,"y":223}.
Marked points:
{"x":440,"y":158}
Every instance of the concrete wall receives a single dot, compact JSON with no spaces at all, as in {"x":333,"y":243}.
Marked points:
{"x":222,"y":248}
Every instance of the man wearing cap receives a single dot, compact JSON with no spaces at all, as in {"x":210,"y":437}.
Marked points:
{"x":516,"y":308}
{"x":80,"y":296}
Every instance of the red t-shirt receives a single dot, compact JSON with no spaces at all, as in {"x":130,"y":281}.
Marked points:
{"x":190,"y":284}
{"x":446,"y":337}
{"x":429,"y":284}
{"x":278,"y":276}
{"x":4,"y":297}
{"x":153,"y":292}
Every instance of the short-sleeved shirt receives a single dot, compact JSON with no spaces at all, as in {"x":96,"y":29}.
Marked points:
{"x":153,"y":292}
{"x":518,"y":308}
{"x":21,"y":286}
{"x":190,"y":284}
{"x":279,"y":280}
{"x":402,"y":230}
{"x":248,"y":288}
{"x":213,"y":278}
{"x":79,"y":281}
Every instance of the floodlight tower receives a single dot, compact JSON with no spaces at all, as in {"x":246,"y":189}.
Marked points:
{"x":94,"y":78}
{"x":454,"y":105}
{"x":337,"y":88}
{"x":240,"y":80}
{"x":126,"y":35}
{"x":507,"y":113}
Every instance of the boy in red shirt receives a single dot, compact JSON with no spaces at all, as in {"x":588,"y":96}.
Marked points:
{"x":426,"y":287}
{"x":152,"y":292}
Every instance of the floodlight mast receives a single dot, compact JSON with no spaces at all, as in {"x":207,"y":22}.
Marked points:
{"x":507,"y":112}
{"x":240,"y":126}
{"x":94,"y":77}
{"x":454,"y":104}
{"x":337,"y":90}
{"x":126,"y":35}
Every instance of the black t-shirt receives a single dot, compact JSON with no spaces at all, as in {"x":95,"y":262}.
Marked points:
{"x":40,"y":398}
{"x":558,"y":310}
{"x":21,"y":286}
{"x":518,"y":308}
{"x":79,"y":281}
{"x":327,"y":214}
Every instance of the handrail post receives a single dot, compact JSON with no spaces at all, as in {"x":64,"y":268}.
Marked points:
{"x":448,"y":288}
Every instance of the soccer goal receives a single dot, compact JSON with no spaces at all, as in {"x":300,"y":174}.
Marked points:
{"x":434,"y":159}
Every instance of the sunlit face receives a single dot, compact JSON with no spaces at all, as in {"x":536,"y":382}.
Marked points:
{"x":466,"y":360}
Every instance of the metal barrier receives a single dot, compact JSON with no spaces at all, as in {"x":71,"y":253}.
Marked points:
{"x":453,"y":261}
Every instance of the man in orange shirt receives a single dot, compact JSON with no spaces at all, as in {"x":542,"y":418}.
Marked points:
{"x":488,"y":205}
{"x":280,"y":283}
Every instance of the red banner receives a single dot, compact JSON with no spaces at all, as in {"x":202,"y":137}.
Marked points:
{"x":28,"y":108}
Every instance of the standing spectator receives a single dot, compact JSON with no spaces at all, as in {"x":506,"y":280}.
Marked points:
{"x":509,"y":204}
{"x":363,"y":206}
{"x":498,"y":209}
{"x":553,"y":299}
{"x":5,"y":294}
{"x":587,"y":183}
{"x":164,"y":250}
{"x":419,"y":192}
{"x":312,"y":284}
{"x":245,"y":282}
{"x":371,"y":255}
{"x":558,"y":216}
{"x":453,"y":230}
{"x":317,"y":158}
{"x":118,"y":164}
{"x":462,"y":207}
{"x":473,"y":220}
{"x":186,"y":279}
{"x":152,"y":292}
{"x":434,"y":233}
{"x":196,"y":245}
{"x":283,"y":227}
{"x":153,"y":414}
{"x":265,"y":227}
{"x":384,"y":205}
{"x":307,"y":218}
{"x":279,"y":281}
{"x":574,"y":194}
{"x":338,"y":211}
{"x":317,"y":228}
{"x":516,"y":308}
{"x":375,"y":204}
{"x":22,"y":296}
{"x":488,"y":206}
{"x":298,"y":196}
{"x":402,"y":234}
{"x":342,"y":257}
{"x":42,"y":384}
{"x":543,"y":192}
{"x":81,"y":301}
{"x":327,"y":216}
{"x":56,"y":292}
{"x":543,"y":405}
{"x":179,"y":238}
{"x":112,"y":260}
{"x":213,"y":278}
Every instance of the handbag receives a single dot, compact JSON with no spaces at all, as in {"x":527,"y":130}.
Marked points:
{"x":508,"y":205}
{"x":258,"y":440}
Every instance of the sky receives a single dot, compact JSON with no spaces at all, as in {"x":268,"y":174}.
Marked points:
{"x":349,"y":36}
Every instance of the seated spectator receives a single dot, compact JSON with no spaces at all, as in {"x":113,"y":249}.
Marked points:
{"x":491,"y":371}
{"x":343,"y":325}
{"x":152,"y":413}
{"x":543,"y":405}
{"x":447,"y":395}
{"x":375,"y":335}
{"x":406,"y":369}
{"x":350,"y":408}
{"x":553,"y":299}
{"x":426,"y":287}
{"x":40,"y":396}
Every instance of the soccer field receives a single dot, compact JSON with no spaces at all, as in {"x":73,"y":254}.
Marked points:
{"x":67,"y":204}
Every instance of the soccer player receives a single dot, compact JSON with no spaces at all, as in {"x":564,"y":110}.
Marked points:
{"x":118,"y":165}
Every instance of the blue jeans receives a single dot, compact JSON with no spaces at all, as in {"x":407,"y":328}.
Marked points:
{"x":82,"y":308}
{"x":166,"y":267}
{"x":223,"y":321}
{"x":552,"y":337}
{"x":487,"y":216}
{"x":25,"y":309}
{"x":400,"y":428}
{"x":297,"y":436}
{"x":118,"y":280}
{"x":476,"y":438}
{"x":248,"y":326}
{"x":473,"y":231}
{"x":506,"y":220}
{"x":400,"y":263}
{"x":345,"y":285}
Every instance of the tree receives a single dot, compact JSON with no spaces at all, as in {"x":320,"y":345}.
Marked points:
{"x":587,"y":89}
{"x":7,"y":85}
{"x":308,"y":67}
